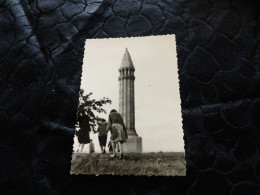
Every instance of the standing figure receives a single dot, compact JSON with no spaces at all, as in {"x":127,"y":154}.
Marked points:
{"x":91,"y":147}
{"x":102,"y":135}
{"x":118,"y":131}
{"x":83,"y":132}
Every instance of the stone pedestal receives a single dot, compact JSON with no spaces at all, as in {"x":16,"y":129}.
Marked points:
{"x":133,"y":145}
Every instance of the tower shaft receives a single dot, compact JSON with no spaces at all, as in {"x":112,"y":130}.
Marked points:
{"x":126,"y":98}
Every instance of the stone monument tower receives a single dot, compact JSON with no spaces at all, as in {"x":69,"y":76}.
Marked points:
{"x":127,"y":103}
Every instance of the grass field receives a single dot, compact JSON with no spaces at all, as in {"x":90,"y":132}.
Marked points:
{"x":167,"y":164}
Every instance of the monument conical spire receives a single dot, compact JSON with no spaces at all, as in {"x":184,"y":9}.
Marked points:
{"x":127,"y":60}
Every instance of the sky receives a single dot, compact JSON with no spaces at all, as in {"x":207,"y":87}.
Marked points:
{"x":157,"y":101}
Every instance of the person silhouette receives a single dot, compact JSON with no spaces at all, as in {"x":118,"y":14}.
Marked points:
{"x":91,"y":147}
{"x":102,"y":135}
{"x":83,"y":132}
{"x":118,"y":131}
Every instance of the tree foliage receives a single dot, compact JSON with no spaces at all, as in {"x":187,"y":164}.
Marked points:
{"x":91,"y":107}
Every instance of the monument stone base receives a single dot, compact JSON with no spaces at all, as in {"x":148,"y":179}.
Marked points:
{"x":133,"y":145}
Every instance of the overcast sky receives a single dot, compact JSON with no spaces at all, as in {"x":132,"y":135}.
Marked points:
{"x":157,"y":101}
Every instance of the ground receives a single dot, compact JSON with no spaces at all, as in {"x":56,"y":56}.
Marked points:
{"x":167,"y":164}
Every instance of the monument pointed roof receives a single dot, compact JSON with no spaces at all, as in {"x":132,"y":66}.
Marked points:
{"x":127,"y":61}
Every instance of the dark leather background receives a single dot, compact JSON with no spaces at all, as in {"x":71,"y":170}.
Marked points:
{"x":41,"y":52}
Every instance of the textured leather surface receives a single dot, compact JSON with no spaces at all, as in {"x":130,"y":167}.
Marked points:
{"x":41,"y":52}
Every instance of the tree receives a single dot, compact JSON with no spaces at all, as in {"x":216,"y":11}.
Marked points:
{"x":89,"y":107}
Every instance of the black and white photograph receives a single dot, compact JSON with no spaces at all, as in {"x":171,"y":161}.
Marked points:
{"x":129,"y":119}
